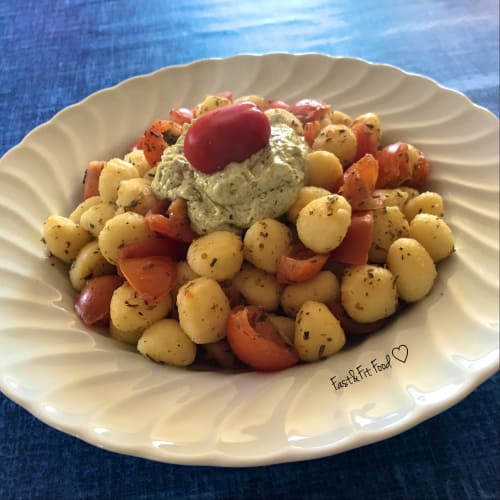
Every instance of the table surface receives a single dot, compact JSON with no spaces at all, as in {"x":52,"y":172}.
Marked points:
{"x":56,"y":52}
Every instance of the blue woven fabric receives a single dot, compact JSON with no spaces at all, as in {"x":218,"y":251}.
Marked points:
{"x":56,"y":52}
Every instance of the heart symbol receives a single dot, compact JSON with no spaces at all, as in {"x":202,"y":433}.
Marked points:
{"x":400,"y":353}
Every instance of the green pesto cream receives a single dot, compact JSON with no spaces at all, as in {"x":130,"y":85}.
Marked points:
{"x":264,"y":185}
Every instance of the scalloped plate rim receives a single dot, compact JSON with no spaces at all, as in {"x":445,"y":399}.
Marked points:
{"x":288,"y":453}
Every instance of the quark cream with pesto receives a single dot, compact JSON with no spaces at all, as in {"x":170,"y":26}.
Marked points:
{"x":264,"y":185}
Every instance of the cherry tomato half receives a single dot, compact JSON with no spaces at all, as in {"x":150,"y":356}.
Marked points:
{"x":160,"y":135}
{"x":227,"y":134}
{"x":359,"y":182}
{"x":162,"y":246}
{"x":308,"y":110}
{"x":151,"y":277}
{"x":357,"y":242}
{"x":311,"y":130}
{"x":366,"y":142}
{"x":256,"y":341}
{"x":181,"y":115}
{"x":299,"y":264}
{"x":91,"y":178}
{"x":92,"y":304}
{"x":171,"y":220}
{"x":394,"y":166}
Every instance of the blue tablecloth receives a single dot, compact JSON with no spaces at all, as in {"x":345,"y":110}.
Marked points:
{"x":56,"y":52}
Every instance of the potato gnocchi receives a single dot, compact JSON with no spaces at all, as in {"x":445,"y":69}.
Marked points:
{"x":361,"y":236}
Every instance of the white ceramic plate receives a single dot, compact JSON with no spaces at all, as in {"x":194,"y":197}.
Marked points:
{"x":102,"y":392}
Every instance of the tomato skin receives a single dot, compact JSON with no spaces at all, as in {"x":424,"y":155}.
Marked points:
{"x":181,"y":115}
{"x":394,"y":166}
{"x":256,"y":342}
{"x":276,"y":103}
{"x":151,"y":277}
{"x":91,"y":178}
{"x":366,"y":143}
{"x":420,"y":172}
{"x":92,"y":303}
{"x":308,"y":110}
{"x":311,"y":130}
{"x":171,"y":220}
{"x":356,"y":244}
{"x":162,"y":246}
{"x":158,"y":137}
{"x":359,"y":182}
{"x":299,"y":264}
{"x":227,"y":134}
{"x":352,"y":327}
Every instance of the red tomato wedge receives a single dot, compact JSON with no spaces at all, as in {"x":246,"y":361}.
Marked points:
{"x":92,"y":304}
{"x":359,"y":182}
{"x":181,"y":115}
{"x":356,"y":244}
{"x":394,"y":166}
{"x":256,"y":341}
{"x":366,"y":143}
{"x":171,"y":221}
{"x":299,"y":264}
{"x":311,"y":130}
{"x":227,"y":134}
{"x":151,"y":277}
{"x":160,"y":135}
{"x":91,"y":178}
{"x":163,"y":246}
{"x":308,"y":110}
{"x":352,"y":327}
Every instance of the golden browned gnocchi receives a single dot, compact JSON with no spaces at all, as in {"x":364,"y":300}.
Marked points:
{"x":203,"y":310}
{"x":318,"y":333}
{"x":324,"y":287}
{"x":88,"y":263}
{"x":265,"y":242}
{"x":166,"y":342}
{"x":324,"y":169}
{"x":368,"y":293}
{"x":95,"y":217}
{"x":121,"y":230}
{"x":292,"y":286}
{"x":389,"y":224}
{"x":258,"y":287}
{"x":132,"y":313}
{"x":115,"y":171}
{"x":306,"y":194}
{"x":413,"y":269}
{"x":433,"y":234}
{"x":427,"y":202}
{"x":339,"y":140}
{"x":135,"y":195}
{"x":322,"y":224}
{"x":63,"y":237}
{"x":216,"y":255}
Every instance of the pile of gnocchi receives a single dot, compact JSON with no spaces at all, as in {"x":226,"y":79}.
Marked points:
{"x":362,"y":239}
